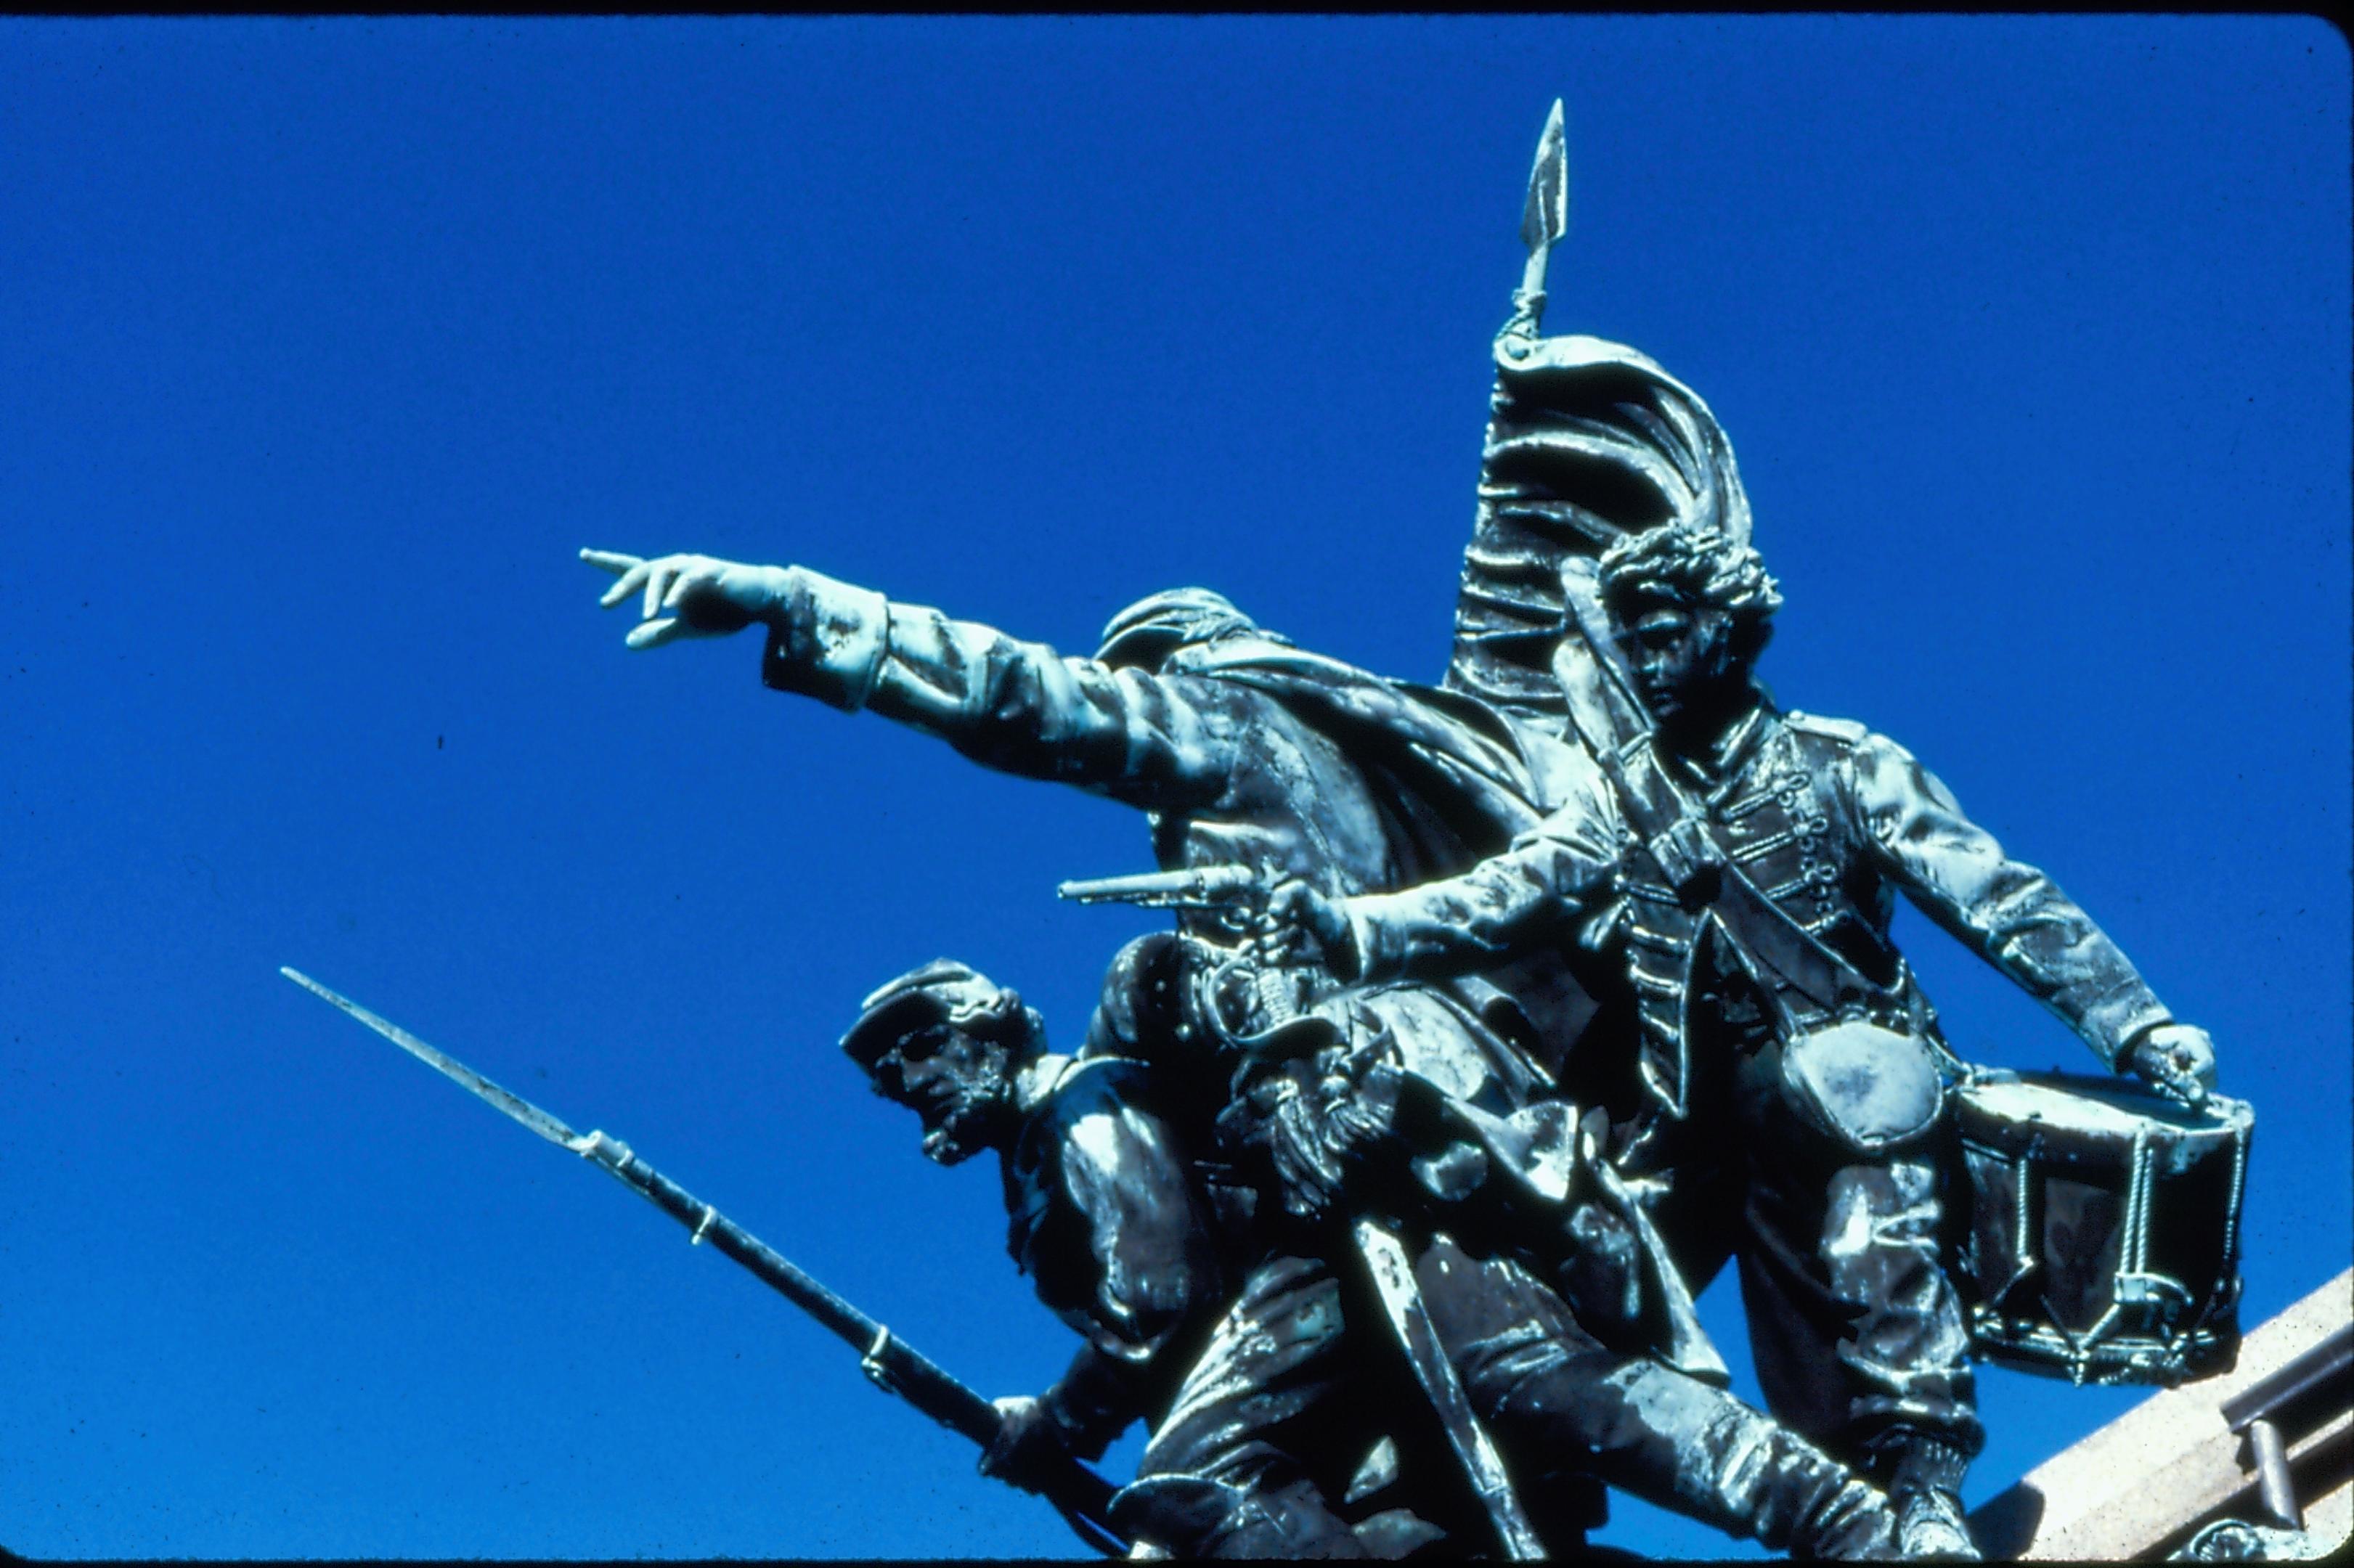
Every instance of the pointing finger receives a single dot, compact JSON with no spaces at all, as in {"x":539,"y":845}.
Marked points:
{"x":612,"y":560}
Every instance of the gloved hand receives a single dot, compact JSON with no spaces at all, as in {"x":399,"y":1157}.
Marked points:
{"x":2177,"y":1059}
{"x":1029,"y":1445}
{"x":1303,"y":925}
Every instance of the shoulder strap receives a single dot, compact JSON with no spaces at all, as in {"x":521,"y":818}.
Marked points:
{"x":1610,"y":722}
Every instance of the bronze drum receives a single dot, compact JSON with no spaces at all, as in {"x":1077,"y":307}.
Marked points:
{"x":2103,"y":1226}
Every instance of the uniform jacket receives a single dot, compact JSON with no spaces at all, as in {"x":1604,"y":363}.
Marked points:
{"x":1830,"y":821}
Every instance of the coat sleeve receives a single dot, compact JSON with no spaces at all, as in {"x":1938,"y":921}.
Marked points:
{"x":1156,"y":742}
{"x":1506,"y":906}
{"x":2006,"y":911}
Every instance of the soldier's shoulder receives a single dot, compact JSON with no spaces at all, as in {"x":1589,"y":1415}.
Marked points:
{"x":1109,"y":1102}
{"x":1846,"y":732}
{"x":1083,"y":1091}
{"x":1091,"y":1085}
{"x":1853,"y":749}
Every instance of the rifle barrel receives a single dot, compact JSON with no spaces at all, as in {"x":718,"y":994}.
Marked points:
{"x":917,"y":1378}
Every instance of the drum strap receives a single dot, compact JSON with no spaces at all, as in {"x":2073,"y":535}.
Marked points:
{"x":1676,"y":834}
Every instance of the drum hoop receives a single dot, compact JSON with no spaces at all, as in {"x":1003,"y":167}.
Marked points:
{"x":2226,"y":1120}
{"x":2131,"y":1358}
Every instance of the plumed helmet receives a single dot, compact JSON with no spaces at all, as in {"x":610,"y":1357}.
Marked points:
{"x":1155,"y":626}
{"x":943,"y":992}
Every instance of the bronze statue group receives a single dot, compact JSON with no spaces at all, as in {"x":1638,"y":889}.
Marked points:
{"x":1494,"y":1020}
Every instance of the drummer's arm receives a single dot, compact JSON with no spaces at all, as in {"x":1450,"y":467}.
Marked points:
{"x":1506,"y":906}
{"x":2006,"y":911}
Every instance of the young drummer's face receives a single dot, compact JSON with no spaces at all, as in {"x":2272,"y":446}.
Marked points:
{"x":1677,"y":651}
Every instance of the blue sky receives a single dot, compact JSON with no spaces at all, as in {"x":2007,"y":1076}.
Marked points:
{"x":325,"y":344}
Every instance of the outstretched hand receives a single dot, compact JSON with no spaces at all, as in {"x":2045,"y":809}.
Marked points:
{"x":689,"y":595}
{"x":2177,"y":1059}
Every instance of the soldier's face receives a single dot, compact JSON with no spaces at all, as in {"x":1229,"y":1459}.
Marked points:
{"x":956,"y":1082}
{"x":1681,"y":653}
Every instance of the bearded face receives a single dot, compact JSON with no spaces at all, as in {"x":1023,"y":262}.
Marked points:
{"x":960,"y":1083}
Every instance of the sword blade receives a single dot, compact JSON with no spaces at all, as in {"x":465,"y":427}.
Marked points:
{"x":1393,"y":1276}
{"x":449,"y":1067}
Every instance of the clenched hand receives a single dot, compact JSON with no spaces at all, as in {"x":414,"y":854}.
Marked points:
{"x":2176,"y":1058}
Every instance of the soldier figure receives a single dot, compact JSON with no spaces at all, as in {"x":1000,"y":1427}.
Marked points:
{"x":1102,"y":1211}
{"x":1801,"y":1115}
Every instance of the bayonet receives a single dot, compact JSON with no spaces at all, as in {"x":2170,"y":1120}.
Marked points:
{"x":1082,"y":1495}
{"x":465,"y":1077}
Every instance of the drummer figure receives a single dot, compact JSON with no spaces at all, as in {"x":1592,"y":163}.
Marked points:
{"x":1792,"y":1072}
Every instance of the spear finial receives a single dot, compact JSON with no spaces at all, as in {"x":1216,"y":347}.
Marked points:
{"x":1543,"y":221}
